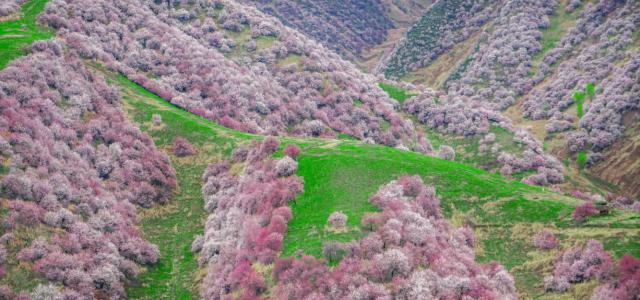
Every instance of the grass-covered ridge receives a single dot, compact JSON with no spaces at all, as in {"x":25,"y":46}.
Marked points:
{"x":395,"y":92}
{"x":341,"y":175}
{"x":173,"y":227}
{"x":19,"y":33}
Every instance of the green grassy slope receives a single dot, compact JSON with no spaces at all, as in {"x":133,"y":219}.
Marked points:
{"x":16,"y":34}
{"x":174,"y":226}
{"x":396,"y":93}
{"x":341,"y":175}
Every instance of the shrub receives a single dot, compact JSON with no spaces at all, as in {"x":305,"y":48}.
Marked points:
{"x":337,"y":220}
{"x":6,"y":292}
{"x":270,"y":145}
{"x":447,"y":153}
{"x":333,"y":251}
{"x":578,"y":265}
{"x":626,"y":286}
{"x":292,"y":151}
{"x":9,"y":7}
{"x":582,"y":211}
{"x":545,"y":240}
{"x":391,"y":263}
{"x":181,"y":147}
{"x":286,"y":167}
{"x":240,"y":154}
{"x":156,"y":119}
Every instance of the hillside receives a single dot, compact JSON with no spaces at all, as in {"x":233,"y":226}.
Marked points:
{"x":221,"y":149}
{"x":331,"y":172}
{"x":226,"y":66}
{"x":341,"y":175}
{"x":350,"y":28}
{"x":561,"y":50}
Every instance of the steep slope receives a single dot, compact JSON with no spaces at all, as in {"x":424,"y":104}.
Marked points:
{"x":341,"y":175}
{"x":530,"y":59}
{"x":66,"y":127}
{"x":73,"y":169}
{"x":620,"y":163}
{"x":233,"y":64}
{"x":444,"y":24}
{"x":350,"y":28}
{"x":347,"y":27}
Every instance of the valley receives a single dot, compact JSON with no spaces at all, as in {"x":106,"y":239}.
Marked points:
{"x":374,"y":149}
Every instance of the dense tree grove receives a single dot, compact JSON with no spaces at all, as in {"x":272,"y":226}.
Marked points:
{"x":445,"y":24}
{"x":627,"y":283}
{"x":248,"y":219}
{"x":578,"y":265}
{"x":498,"y":71}
{"x":76,"y":169}
{"x":8,"y":7}
{"x":347,"y":27}
{"x":410,"y":252}
{"x":496,"y":75}
{"x":604,"y":32}
{"x":602,"y":124}
{"x":579,"y":66}
{"x":228,"y":66}
{"x":459,"y":115}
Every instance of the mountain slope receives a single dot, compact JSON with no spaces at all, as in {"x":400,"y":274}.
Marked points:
{"x":348,"y":27}
{"x":230,"y":215}
{"x":237,"y":66}
{"x":347,"y":172}
{"x":525,"y":61}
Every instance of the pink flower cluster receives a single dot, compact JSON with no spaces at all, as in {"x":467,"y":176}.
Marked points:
{"x":545,"y":240}
{"x":579,"y":264}
{"x":76,"y":167}
{"x":199,"y":64}
{"x":8,"y":7}
{"x":626,"y":286}
{"x":410,"y":252}
{"x":582,"y":211}
{"x":249,"y":216}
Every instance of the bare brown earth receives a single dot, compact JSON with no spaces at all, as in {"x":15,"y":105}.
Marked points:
{"x":370,"y":58}
{"x":404,"y":13}
{"x":436,"y":74}
{"x":621,"y":165}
